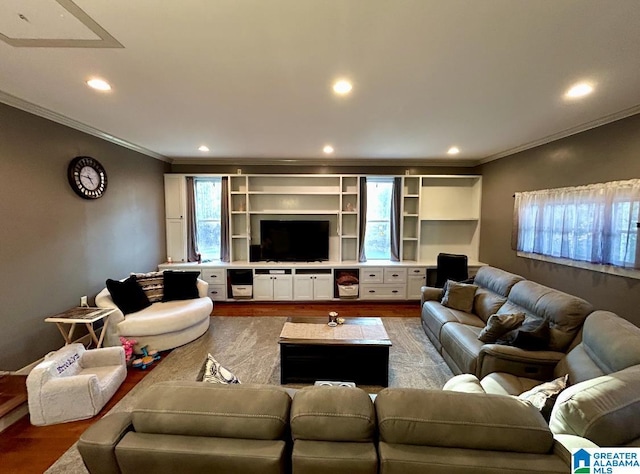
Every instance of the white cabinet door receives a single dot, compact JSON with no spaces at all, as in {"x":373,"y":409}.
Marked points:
{"x":174,"y":196}
{"x":414,"y":284}
{"x":323,"y":287}
{"x":263,"y":287}
{"x":282,"y":288}
{"x":303,"y":287}
{"x":176,"y":243}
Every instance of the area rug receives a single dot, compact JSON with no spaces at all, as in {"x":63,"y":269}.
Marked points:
{"x":248,"y":346}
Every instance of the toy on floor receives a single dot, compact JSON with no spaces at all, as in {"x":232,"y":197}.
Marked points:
{"x":148,"y":358}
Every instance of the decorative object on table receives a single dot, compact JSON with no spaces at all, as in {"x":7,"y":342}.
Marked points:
{"x":331,"y":383}
{"x":127,"y":345}
{"x":148,"y":358}
{"x":87,"y":177}
{"x":340,"y":320}
{"x":333,"y":319}
{"x":349,"y":207}
{"x":73,"y":383}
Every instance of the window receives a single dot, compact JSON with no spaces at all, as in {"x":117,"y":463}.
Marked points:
{"x":377,"y":242}
{"x":596,"y":223}
{"x":208,"y":197}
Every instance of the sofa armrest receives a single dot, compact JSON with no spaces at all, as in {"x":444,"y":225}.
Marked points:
{"x":97,"y":444}
{"x":103,"y":357}
{"x":537,"y":365}
{"x":467,"y":383}
{"x":461,"y":420}
{"x":429,"y":293}
{"x":563,"y":444}
{"x":203,"y":288}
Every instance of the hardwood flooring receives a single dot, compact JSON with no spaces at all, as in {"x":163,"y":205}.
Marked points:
{"x":27,"y":449}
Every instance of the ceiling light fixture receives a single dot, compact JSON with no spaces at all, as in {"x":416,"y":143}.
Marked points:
{"x":454,"y":150}
{"x":99,"y":84}
{"x":579,"y":90}
{"x":328,"y":149}
{"x":203,"y":148}
{"x":342,"y":87}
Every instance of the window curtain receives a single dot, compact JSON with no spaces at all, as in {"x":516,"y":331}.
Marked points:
{"x":192,"y":231}
{"x":224,"y":220}
{"x":396,"y":200}
{"x":363,"y":218}
{"x":596,"y":223}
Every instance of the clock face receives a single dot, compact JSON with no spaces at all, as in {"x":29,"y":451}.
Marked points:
{"x":87,"y":177}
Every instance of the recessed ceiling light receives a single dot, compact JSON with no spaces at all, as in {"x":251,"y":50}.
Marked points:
{"x":579,"y":90}
{"x":99,"y":84}
{"x":454,"y":150}
{"x":328,"y":149}
{"x":342,"y":87}
{"x":203,"y":148}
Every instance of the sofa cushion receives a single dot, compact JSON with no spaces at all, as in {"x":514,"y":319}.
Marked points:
{"x":605,"y":409}
{"x":180,"y":285}
{"x":128,"y":295}
{"x":544,"y":396}
{"x":502,"y":383}
{"x":459,"y":296}
{"x":498,"y":325}
{"x":326,"y":413}
{"x":163,"y":318}
{"x":152,"y":284}
{"x":201,"y":409}
{"x":496,"y":280}
{"x":335,"y":457}
{"x":460,"y":420}
{"x":462,"y":345}
{"x":609,"y":344}
{"x":486,"y":303}
{"x":565,"y":313}
{"x":435,"y":315}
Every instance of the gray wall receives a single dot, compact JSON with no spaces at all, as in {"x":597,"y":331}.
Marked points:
{"x":55,"y":246}
{"x":607,"y":153}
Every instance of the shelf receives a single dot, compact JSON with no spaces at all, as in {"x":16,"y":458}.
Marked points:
{"x":239,"y":236}
{"x":411,"y":196}
{"x":410,"y":239}
{"x":411,"y":215}
{"x":351,"y":213}
{"x":435,"y":219}
{"x":295,"y":193}
{"x":297,"y":212}
{"x":238,"y":212}
{"x":349,"y":236}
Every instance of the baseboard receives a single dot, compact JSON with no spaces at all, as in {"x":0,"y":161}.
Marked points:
{"x":13,"y":416}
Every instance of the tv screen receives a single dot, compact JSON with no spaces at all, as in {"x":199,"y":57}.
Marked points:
{"x":294,"y":241}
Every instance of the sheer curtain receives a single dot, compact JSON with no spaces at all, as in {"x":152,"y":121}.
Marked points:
{"x":597,"y":223}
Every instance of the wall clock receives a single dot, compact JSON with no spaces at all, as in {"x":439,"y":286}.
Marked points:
{"x":87,"y":177}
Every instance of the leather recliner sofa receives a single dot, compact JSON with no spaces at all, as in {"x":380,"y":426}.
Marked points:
{"x":455,"y":333}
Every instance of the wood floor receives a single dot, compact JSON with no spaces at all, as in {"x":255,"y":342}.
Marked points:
{"x":27,"y":449}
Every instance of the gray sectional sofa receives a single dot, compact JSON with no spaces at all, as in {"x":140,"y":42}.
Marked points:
{"x":455,"y":333}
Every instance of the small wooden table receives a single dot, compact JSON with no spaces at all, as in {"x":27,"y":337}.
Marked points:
{"x":81,"y":315}
{"x":356,"y":351}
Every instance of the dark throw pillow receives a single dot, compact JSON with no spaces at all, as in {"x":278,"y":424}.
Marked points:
{"x":544,"y":396}
{"x":498,"y":325}
{"x":180,"y":285}
{"x":459,"y":296}
{"x":533,"y":335}
{"x":127,"y":295}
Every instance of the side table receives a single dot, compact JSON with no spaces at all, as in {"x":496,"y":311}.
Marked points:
{"x":81,"y":315}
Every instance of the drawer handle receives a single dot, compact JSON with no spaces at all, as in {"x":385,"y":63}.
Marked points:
{"x":214,"y":292}
{"x":395,"y":275}
{"x":372,"y":291}
{"x":372,"y":275}
{"x":394,"y":291}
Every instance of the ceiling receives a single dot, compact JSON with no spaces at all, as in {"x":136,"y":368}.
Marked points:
{"x":252,"y":79}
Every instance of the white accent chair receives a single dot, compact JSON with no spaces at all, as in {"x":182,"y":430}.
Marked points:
{"x":73,"y":383}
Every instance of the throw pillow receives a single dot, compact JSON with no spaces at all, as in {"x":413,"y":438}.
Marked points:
{"x":498,"y":325}
{"x":533,"y":335}
{"x":180,"y":285}
{"x":152,"y":284}
{"x":215,"y":373}
{"x":459,"y":296}
{"x":127,"y":295}
{"x":544,"y":396}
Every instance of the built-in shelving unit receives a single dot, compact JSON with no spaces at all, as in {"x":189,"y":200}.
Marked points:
{"x":438,"y":214}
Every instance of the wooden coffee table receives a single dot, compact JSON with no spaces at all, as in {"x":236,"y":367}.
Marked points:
{"x":356,"y":351}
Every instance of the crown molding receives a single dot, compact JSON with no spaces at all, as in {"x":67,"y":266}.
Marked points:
{"x":335,"y":161}
{"x":565,"y":133}
{"x":34,"y":109}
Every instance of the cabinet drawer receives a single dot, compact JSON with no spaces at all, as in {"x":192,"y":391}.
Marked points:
{"x":218,"y":292}
{"x":382,"y":292}
{"x":395,"y":275}
{"x":371,"y":275}
{"x":417,"y":271}
{"x":214,"y":276}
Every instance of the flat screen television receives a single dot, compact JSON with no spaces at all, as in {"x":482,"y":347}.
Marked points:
{"x":294,"y":241}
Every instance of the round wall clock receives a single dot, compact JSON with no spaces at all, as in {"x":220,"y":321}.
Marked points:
{"x":87,"y":177}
